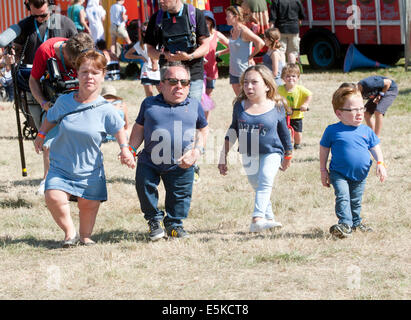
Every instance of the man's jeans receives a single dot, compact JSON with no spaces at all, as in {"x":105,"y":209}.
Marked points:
{"x":178,"y":184}
{"x":261,"y":172}
{"x":196,"y":89}
{"x":348,"y":198}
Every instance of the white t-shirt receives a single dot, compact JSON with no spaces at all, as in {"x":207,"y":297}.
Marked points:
{"x":116,"y":14}
{"x":94,"y":16}
{"x":146,"y":71}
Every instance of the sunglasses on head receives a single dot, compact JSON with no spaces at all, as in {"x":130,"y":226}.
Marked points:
{"x":173,"y":81}
{"x":44,"y":15}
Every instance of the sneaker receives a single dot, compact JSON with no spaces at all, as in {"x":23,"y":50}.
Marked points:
{"x":69,"y":243}
{"x":263,"y":224}
{"x":177,"y":232}
{"x":297,"y":146}
{"x":40,"y":190}
{"x":273,"y":224}
{"x":362,"y":228}
{"x":156,"y":231}
{"x":341,"y":230}
{"x":196,"y":173}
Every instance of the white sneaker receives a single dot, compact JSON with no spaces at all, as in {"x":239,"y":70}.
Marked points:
{"x":274,"y":224}
{"x":40,"y":190}
{"x":259,"y":225}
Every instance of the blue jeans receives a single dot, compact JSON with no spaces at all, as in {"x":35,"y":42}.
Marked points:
{"x":196,"y":89}
{"x":261,"y":172}
{"x":348,"y":198}
{"x":178,"y":184}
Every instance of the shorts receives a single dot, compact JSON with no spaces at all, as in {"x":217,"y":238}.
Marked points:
{"x":290,"y":43}
{"x":234,"y":79}
{"x":119,"y":31}
{"x":385,"y":102}
{"x":297,"y":124}
{"x":210,"y":84}
{"x":147,"y":81}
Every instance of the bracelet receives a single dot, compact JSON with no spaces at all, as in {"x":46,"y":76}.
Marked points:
{"x":43,"y":133}
{"x":41,"y":136}
{"x":288,"y":157}
{"x":43,"y":103}
{"x":323,"y":170}
{"x":133,"y":150}
{"x":381,"y":163}
{"x":124,"y":145}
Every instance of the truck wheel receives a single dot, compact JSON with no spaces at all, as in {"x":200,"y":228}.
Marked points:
{"x":322,"y":53}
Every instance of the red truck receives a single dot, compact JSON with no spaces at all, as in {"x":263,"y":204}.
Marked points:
{"x":377,"y":28}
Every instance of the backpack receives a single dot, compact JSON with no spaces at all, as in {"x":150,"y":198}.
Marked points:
{"x":179,"y":42}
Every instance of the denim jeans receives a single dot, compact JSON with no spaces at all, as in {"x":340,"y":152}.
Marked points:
{"x":196,"y":89}
{"x":261,"y":179}
{"x":178,"y":184}
{"x":348,"y":198}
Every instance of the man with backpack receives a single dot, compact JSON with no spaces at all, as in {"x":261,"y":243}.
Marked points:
{"x":178,"y":32}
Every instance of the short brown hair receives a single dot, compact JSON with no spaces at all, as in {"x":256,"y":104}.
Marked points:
{"x":341,"y":95}
{"x":37,"y":3}
{"x":77,"y":44}
{"x":99,"y":60}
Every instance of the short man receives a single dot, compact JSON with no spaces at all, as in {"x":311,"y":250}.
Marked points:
{"x":167,"y":124}
{"x":286,"y":15}
{"x":118,"y":19}
{"x":173,"y":35}
{"x":65,"y":51}
{"x":40,"y":26}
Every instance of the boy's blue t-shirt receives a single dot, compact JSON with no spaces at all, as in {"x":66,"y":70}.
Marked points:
{"x":350,"y":147}
{"x":169,"y":131}
{"x":75,"y":151}
{"x":373,"y":85}
{"x":260,"y":134}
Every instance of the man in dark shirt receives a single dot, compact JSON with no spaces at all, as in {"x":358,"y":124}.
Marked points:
{"x":158,"y":49}
{"x":286,"y":15}
{"x":40,"y":26}
{"x":174,"y":130}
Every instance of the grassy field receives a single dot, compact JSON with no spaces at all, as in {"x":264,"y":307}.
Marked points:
{"x":221,"y":260}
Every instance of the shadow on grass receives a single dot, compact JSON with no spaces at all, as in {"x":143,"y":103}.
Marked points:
{"x":121,"y":180}
{"x":105,"y":237}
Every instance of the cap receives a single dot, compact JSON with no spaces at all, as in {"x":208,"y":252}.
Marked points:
{"x":109,"y":90}
{"x":210,"y":15}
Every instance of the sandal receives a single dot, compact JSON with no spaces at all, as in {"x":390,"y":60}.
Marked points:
{"x":71,"y":242}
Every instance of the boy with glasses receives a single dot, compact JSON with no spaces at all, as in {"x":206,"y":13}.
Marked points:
{"x":350,"y":143}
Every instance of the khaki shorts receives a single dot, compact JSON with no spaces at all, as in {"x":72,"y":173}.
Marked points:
{"x":290,"y":43}
{"x":119,"y":31}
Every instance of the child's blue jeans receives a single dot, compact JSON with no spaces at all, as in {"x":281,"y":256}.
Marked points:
{"x":348,"y":198}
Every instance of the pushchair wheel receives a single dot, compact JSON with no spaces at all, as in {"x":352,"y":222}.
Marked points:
{"x":29,"y":132}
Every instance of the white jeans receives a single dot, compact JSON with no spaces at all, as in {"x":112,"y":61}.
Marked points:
{"x":262,"y":181}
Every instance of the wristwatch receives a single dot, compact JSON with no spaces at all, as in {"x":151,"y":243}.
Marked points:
{"x":191,"y":57}
{"x":382,"y":94}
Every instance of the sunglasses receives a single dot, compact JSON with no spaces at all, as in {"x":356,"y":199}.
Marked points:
{"x":44,"y":15}
{"x":174,"y":82}
{"x":353,"y":110}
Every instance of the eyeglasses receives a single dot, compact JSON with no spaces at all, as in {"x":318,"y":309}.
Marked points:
{"x":44,"y":15}
{"x":174,"y":82}
{"x":354,"y":110}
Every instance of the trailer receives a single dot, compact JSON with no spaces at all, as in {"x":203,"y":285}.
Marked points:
{"x":376,"y":27}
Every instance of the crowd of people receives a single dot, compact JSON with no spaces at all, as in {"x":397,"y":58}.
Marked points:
{"x":178,"y":46}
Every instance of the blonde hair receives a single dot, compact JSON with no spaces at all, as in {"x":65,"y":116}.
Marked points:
{"x":290,"y":68}
{"x":236,"y":11}
{"x":267,"y":75}
{"x":274,"y":36}
{"x":342,"y":94}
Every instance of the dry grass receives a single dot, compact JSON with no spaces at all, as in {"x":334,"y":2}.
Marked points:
{"x":221,"y":260}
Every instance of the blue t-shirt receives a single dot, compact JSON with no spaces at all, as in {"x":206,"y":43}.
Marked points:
{"x":260,"y":134}
{"x":350,"y":147}
{"x":373,"y":85}
{"x":75,"y":151}
{"x":168,"y":130}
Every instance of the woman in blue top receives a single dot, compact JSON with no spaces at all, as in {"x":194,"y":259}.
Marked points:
{"x":78,"y":15}
{"x":260,"y":126}
{"x":76,"y":161}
